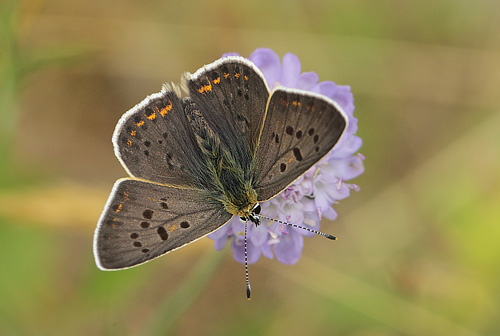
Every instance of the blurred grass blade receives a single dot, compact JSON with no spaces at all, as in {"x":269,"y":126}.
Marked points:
{"x":8,"y":73}
{"x":173,"y":307}
{"x":397,"y":313}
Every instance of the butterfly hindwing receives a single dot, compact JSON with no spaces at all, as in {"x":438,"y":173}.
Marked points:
{"x":231,"y":94}
{"x":154,"y":141}
{"x":300,"y":128}
{"x":142,"y":221}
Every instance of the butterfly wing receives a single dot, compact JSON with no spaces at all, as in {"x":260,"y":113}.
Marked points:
{"x":154,"y":141}
{"x":300,"y":128}
{"x":231,"y":94}
{"x":142,"y":221}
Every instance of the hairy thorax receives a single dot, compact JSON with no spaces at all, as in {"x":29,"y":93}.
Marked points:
{"x":227,"y":177}
{"x":241,"y":207}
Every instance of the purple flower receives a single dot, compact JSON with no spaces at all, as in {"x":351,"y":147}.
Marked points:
{"x":309,"y":198}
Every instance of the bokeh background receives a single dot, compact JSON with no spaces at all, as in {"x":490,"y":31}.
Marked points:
{"x":419,"y":247}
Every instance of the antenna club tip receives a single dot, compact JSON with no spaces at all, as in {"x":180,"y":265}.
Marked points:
{"x":329,"y":236}
{"x":249,"y":291}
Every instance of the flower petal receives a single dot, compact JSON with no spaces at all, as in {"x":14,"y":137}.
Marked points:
{"x":343,"y":96}
{"x":289,"y":249}
{"x":347,"y":168}
{"x":269,"y":63}
{"x":329,"y":213}
{"x":222,"y":231}
{"x":290,"y":70}
{"x":238,"y":248}
{"x":311,"y":221}
{"x":219,"y":243}
{"x":253,"y":252}
{"x":258,"y":234}
{"x":346,"y":148}
{"x":267,"y":251}
{"x":307,"y":80}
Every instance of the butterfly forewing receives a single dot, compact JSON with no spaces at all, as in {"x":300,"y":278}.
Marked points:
{"x":299,"y":129}
{"x":154,"y":141}
{"x":143,"y":220}
{"x":231,"y":94}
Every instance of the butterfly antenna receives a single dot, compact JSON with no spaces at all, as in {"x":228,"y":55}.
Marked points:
{"x":326,"y":235}
{"x":249,"y":289}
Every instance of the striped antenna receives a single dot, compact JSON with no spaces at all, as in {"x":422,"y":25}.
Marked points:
{"x":249,"y":289}
{"x":326,"y":235}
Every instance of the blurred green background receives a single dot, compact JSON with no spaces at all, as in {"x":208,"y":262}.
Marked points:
{"x":419,"y":250}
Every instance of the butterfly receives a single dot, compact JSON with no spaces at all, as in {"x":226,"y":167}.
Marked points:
{"x":197,"y":161}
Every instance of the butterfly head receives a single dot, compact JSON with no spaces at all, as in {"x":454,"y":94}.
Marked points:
{"x":245,"y":206}
{"x":253,"y":215}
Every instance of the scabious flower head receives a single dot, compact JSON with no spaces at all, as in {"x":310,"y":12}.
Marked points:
{"x":310,"y":197}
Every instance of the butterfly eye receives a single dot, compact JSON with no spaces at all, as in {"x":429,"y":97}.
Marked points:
{"x":256,"y":209}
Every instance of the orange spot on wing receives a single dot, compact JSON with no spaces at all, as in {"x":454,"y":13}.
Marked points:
{"x":119,"y":207}
{"x":284,"y":102}
{"x":226,"y":74}
{"x":296,"y":103}
{"x":246,"y":77}
{"x":217,"y":80}
{"x":152,"y":116}
{"x":133,"y":133}
{"x":129,"y":142}
{"x":205,"y":88}
{"x":290,"y":159}
{"x":140,"y":123}
{"x":237,"y":75}
{"x":164,"y":111}
{"x":172,"y":228}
